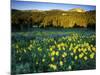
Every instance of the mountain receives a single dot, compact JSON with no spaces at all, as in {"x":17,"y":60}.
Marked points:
{"x":54,"y":10}
{"x":77,"y":10}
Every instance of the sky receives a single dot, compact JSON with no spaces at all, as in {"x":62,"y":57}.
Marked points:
{"x":28,"y":5}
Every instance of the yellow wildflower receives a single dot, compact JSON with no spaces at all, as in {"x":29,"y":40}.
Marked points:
{"x":64,"y":54}
{"x":86,"y":53}
{"x":70,"y":48}
{"x":92,"y":55}
{"x":36,"y":62}
{"x":53,"y":53}
{"x":91,"y":45}
{"x":86,"y":44}
{"x":74,"y":50}
{"x":84,"y":50}
{"x":76,"y":46}
{"x":25,"y":50}
{"x":62,"y":44}
{"x":79,"y":49}
{"x":85,"y":58}
{"x":43,"y":60}
{"x":63,"y":48}
{"x":31,"y":46}
{"x":57,"y":53}
{"x":81,"y":55}
{"x":93,"y":48}
{"x":61,"y":63}
{"x":69,"y":39}
{"x":58,"y":46}
{"x":76,"y":57}
{"x":52,"y":58}
{"x":17,"y":46}
{"x":71,"y":54}
{"x":51,"y":49}
{"x":39,"y":49}
{"x":55,"y":42}
{"x":78,"y":41}
{"x":89,"y":48}
{"x":17,"y":51}
{"x":69,"y":67}
{"x":53,"y":66}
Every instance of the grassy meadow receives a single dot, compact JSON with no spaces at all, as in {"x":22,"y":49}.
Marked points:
{"x":52,"y":49}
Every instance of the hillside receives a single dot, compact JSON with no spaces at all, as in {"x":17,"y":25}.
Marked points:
{"x":77,"y":10}
{"x":56,"y":18}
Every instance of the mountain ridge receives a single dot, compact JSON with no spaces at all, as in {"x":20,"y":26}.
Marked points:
{"x":69,"y":10}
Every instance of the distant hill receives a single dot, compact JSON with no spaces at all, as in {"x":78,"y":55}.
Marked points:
{"x":54,"y":10}
{"x":77,"y":10}
{"x":57,"y":18}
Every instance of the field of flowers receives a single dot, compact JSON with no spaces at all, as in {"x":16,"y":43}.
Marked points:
{"x":50,"y":50}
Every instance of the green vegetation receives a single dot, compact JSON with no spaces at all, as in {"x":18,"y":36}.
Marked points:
{"x":53,"y":18}
{"x":52,"y":49}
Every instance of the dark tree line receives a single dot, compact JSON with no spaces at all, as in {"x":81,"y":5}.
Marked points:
{"x":57,"y":18}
